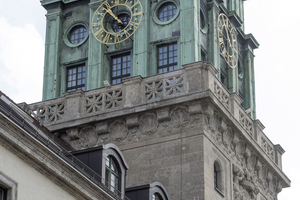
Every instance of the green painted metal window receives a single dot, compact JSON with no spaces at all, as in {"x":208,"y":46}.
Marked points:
{"x":3,"y":193}
{"x":77,"y":34}
{"x":76,"y":78}
{"x":112,"y":174}
{"x":167,"y":12}
{"x":167,"y":58}
{"x":121,"y":67}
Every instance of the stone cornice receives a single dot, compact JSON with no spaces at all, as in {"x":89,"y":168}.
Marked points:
{"x":44,"y":160}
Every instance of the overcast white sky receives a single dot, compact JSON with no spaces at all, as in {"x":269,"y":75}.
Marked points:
{"x":274,"y":23}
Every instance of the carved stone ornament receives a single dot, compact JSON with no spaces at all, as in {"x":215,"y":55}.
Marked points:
{"x":243,"y":188}
{"x":180,"y":117}
{"x":148,"y":124}
{"x":118,"y":130}
{"x":88,"y":137}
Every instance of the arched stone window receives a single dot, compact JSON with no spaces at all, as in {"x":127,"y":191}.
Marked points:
{"x":156,"y":196}
{"x":115,"y":169}
{"x":218,"y":177}
{"x":112,"y":174}
{"x":158,"y":192}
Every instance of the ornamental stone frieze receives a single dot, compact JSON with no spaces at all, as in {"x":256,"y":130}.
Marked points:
{"x":179,"y":104}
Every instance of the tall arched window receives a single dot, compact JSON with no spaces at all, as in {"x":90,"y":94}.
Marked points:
{"x":112,"y":174}
{"x":217,"y":176}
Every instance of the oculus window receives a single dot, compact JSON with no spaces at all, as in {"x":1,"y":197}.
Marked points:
{"x":76,"y":78}
{"x":167,"y":11}
{"x":77,"y":34}
{"x":166,"y":58}
{"x":112,"y":174}
{"x":121,"y":67}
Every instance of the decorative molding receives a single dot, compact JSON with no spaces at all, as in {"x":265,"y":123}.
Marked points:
{"x":180,"y":116}
{"x":148,"y":124}
{"x":118,"y":130}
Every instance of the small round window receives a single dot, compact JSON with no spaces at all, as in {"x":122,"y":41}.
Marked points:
{"x":77,"y":34}
{"x":167,"y":11}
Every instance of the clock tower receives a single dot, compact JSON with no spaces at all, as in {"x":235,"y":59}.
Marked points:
{"x":171,"y":84}
{"x":88,"y":42}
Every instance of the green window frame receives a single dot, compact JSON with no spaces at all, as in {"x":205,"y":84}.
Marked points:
{"x":121,"y":68}
{"x":166,"y":58}
{"x":76,"y":78}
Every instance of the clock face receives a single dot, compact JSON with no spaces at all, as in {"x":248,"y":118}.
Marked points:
{"x":228,"y":41}
{"x":116,"y":20}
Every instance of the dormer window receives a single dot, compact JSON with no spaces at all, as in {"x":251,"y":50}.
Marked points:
{"x":112,"y":174}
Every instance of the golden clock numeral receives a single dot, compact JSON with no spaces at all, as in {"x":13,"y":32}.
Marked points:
{"x":107,"y":4}
{"x":224,"y":51}
{"x":133,"y":24}
{"x":99,"y":32}
{"x":98,"y":13}
{"x":137,"y":13}
{"x":126,"y":33}
{"x":117,"y":39}
{"x":134,"y":5}
{"x":106,"y":38}
{"x":97,"y":24}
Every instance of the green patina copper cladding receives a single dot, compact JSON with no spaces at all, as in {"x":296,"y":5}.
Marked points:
{"x":195,"y":41}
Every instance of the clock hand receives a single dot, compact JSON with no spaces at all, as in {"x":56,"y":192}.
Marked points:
{"x":113,"y":15}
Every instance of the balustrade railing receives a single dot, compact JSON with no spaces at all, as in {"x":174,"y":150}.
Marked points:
{"x":137,"y":91}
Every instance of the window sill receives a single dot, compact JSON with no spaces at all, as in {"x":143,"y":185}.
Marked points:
{"x":221,"y":193}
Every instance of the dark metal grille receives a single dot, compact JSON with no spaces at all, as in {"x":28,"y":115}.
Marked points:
{"x":167,"y":12}
{"x":167,"y":58}
{"x":76,"y":78}
{"x":121,"y":67}
{"x":77,"y":34}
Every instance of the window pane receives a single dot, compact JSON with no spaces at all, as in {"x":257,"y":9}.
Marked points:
{"x":76,"y":78}
{"x":167,"y":58}
{"x":121,"y":68}
{"x":77,"y":34}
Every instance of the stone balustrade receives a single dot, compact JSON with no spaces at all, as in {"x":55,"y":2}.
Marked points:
{"x":137,"y":94}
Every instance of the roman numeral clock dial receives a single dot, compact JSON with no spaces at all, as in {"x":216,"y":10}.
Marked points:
{"x":115,"y":21}
{"x":228,"y":41}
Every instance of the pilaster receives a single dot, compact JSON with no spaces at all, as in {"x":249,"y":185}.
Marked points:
{"x":51,"y":85}
{"x":249,"y":102}
{"x":214,"y":50}
{"x":95,"y":72}
{"x":141,"y":42}
{"x":189,"y":28}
